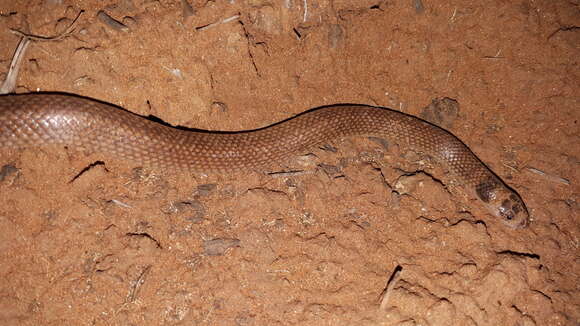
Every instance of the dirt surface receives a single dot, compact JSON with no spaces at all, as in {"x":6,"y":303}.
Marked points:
{"x":351,"y":234}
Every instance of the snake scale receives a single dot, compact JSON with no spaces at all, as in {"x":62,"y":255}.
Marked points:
{"x":37,"y":119}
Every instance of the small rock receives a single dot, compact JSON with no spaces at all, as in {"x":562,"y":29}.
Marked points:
{"x":219,"y":107}
{"x":431,"y":193}
{"x":441,"y":112}
{"x":217,"y":247}
{"x":194,"y":210}
{"x":6,"y":171}
{"x":111,"y":22}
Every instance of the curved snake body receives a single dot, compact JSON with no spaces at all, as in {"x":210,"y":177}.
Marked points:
{"x":40,"y":119}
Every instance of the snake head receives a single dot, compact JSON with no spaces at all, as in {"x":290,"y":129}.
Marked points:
{"x":504,"y":203}
{"x":510,"y":208}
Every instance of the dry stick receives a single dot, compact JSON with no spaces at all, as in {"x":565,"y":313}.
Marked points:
{"x":285,"y":174}
{"x":223,"y":21}
{"x":57,"y":37}
{"x":548,"y":176}
{"x":9,"y":84}
{"x":390,"y":286}
{"x":134,"y":291}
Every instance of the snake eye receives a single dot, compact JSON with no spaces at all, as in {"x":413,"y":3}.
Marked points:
{"x":506,"y":210}
{"x":506,"y":213}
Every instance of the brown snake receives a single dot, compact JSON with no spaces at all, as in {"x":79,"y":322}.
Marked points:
{"x":41,"y":119}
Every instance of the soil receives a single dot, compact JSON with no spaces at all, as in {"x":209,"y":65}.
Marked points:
{"x":359,"y":232}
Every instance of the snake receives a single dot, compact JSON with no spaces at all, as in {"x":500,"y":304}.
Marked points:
{"x":42,"y":119}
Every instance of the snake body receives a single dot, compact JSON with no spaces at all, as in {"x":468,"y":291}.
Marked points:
{"x":38,"y":119}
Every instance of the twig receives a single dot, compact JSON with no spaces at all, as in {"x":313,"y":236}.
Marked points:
{"x":452,"y":19}
{"x":496,"y":56}
{"x":551,"y":177}
{"x":223,"y":21}
{"x":390,"y":286}
{"x":137,"y":284}
{"x":120,"y":203}
{"x":284,"y":174}
{"x":57,"y":37}
{"x":9,"y":84}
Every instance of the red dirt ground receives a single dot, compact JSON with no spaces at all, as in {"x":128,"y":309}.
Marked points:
{"x":124,"y":245}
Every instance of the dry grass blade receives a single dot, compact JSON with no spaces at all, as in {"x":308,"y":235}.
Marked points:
{"x":395,"y":277}
{"x":57,"y":37}
{"x":9,"y":84}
